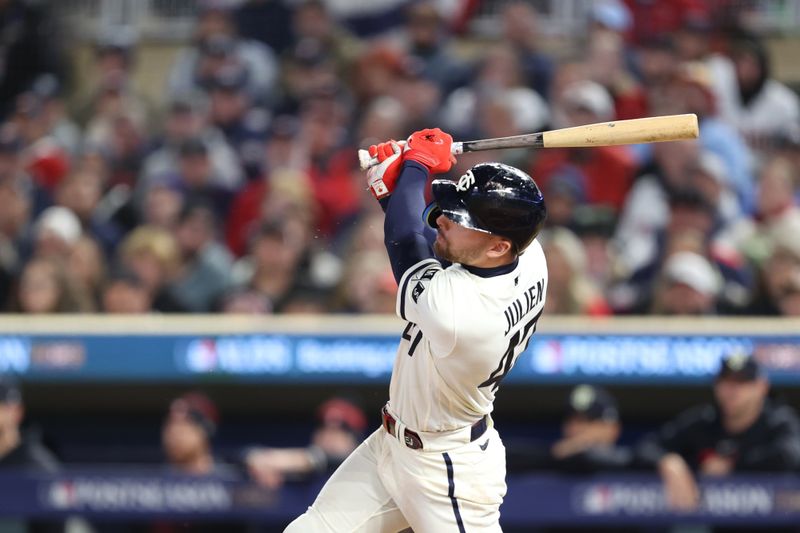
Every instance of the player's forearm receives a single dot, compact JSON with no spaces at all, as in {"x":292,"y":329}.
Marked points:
{"x":404,"y":229}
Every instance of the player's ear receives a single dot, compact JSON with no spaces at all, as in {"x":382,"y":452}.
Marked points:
{"x":499,"y":248}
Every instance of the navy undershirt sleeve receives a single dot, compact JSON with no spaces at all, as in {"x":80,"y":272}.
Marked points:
{"x":405,"y":235}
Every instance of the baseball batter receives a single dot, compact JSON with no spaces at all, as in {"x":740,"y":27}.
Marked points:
{"x":471,"y":300}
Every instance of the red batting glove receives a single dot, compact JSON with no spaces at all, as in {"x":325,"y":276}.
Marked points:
{"x":382,"y":178}
{"x":431,"y":147}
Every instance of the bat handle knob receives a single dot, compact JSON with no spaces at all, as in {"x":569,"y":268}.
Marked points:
{"x":365,"y":160}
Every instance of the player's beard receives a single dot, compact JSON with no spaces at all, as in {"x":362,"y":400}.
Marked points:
{"x":445,"y":250}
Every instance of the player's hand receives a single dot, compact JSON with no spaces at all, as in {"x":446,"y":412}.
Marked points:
{"x":716,"y":465}
{"x":680,"y":488}
{"x":431,"y":147}
{"x":382,"y":178}
{"x":264,"y":467}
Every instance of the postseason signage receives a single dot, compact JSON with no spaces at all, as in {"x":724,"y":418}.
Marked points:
{"x":611,"y":354}
{"x":532,"y":500}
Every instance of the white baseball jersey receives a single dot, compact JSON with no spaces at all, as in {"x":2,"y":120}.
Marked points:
{"x":465,"y":329}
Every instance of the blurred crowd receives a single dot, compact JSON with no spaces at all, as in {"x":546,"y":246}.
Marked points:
{"x":238,"y":191}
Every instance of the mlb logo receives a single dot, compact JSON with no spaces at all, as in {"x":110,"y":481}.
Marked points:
{"x":409,"y":441}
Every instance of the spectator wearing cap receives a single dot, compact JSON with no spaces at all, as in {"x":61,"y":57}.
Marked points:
{"x":743,"y":430}
{"x":694,"y":226}
{"x":216,"y":46}
{"x":244,"y":125}
{"x":609,"y":170}
{"x":340,"y":429}
{"x":187,"y":120}
{"x":590,"y":430}
{"x":689,"y":285}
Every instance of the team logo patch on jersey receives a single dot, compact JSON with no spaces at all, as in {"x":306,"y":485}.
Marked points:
{"x":417,"y":291}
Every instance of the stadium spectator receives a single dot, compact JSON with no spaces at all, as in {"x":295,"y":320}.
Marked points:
{"x":646,"y":207}
{"x":308,"y":68}
{"x":340,"y":428}
{"x":112,"y":89}
{"x":153,"y":256}
{"x":367,"y":284}
{"x":499,"y":76}
{"x":590,"y":429}
{"x":569,"y":290}
{"x":427,"y":45}
{"x":312,"y":22}
{"x":87,"y":266}
{"x":609,"y":170}
{"x":693,"y":92}
{"x":744,"y":430}
{"x":765,"y":107}
{"x":243,"y":124}
{"x":688,"y":285}
{"x":274,"y":267}
{"x":45,"y":159}
{"x":121,"y":139}
{"x":47,"y":90}
{"x":777,"y":212}
{"x":778,"y":274}
{"x":125,"y":293}
{"x":45,"y":286}
{"x":187,"y":120}
{"x":81,"y":193}
{"x":217,"y":46}
{"x":521,"y":29}
{"x":205,"y":268}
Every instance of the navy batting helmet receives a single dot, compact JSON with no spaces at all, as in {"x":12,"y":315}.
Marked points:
{"x":493,"y":198}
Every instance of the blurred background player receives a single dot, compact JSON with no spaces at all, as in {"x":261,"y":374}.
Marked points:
{"x":744,"y":430}
{"x":340,"y":428}
{"x":590,"y":432}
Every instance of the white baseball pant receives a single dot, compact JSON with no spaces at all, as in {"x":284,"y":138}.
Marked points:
{"x":385,"y":487}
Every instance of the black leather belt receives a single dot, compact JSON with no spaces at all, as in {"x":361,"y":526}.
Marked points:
{"x":411,"y":438}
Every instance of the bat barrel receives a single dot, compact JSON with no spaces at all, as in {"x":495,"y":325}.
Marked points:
{"x":634,"y":131}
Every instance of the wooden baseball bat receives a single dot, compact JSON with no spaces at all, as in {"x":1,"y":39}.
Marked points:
{"x":633,"y":131}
